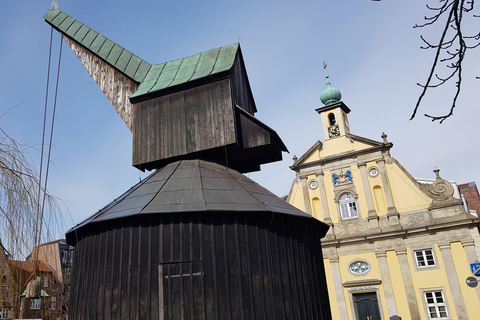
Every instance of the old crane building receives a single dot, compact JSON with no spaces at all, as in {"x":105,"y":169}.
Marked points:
{"x":196,"y":239}
{"x":396,"y":246}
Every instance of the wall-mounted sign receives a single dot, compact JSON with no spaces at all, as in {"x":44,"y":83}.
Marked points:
{"x":472,"y":282}
{"x":475,"y":268}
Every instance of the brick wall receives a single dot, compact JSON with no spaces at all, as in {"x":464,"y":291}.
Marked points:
{"x":470,"y":192}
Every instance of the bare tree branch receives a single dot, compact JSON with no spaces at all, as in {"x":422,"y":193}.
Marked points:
{"x":452,"y":37}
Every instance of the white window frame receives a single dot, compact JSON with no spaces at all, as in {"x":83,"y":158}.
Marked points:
{"x":348,"y":205}
{"x":428,"y":262}
{"x":36,"y":304}
{"x":53,"y":303}
{"x":435,"y":306}
{"x":4,"y":313}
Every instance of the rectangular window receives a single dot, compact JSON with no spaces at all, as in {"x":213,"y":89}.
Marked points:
{"x":425,"y":258}
{"x":5,"y":313}
{"x":45,"y":282}
{"x":436,"y":306}
{"x":36,"y":302}
{"x":53,"y":304}
{"x":348,"y":206}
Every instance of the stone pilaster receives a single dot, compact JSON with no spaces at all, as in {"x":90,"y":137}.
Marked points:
{"x":387,"y":283}
{"x":337,"y":281}
{"x":453,"y":280}
{"x":306,"y":196}
{"x":472,"y":257}
{"x":323,"y":198}
{"x":408,"y":284}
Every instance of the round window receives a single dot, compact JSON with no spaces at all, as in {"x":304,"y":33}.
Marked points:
{"x":359,"y":267}
{"x":373,"y":172}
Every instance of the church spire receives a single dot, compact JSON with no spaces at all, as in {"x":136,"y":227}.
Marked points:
{"x":330,"y":94}
{"x":334,"y":112}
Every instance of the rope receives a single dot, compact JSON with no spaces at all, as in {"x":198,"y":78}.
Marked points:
{"x":51,"y":135}
{"x":41,"y":212}
{"x":37,"y":236}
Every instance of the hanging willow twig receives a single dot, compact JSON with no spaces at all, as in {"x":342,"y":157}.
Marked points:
{"x":19,"y":199}
{"x":450,"y":50}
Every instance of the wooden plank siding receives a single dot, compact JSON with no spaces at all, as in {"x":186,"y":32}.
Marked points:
{"x":200,"y":266}
{"x":116,"y":86}
{"x":241,"y":91}
{"x":184,"y":122}
{"x":252,"y":134}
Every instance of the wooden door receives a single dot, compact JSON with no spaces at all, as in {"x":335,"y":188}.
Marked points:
{"x":366,"y":306}
{"x":181,"y":291}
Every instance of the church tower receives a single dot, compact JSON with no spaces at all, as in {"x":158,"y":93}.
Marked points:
{"x":334,"y":113}
{"x":397,"y":246}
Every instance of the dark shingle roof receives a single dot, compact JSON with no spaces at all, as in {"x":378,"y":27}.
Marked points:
{"x":194,"y":186}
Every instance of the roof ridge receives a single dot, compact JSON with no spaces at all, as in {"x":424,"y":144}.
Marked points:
{"x":112,"y":53}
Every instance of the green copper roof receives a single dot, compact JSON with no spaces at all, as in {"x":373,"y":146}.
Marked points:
{"x":165,"y":75}
{"x":330,"y":94}
{"x":120,"y":58}
{"x":152,"y":78}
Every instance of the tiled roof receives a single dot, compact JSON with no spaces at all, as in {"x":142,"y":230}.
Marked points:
{"x":119,"y":57}
{"x":152,"y":78}
{"x":165,"y":75}
{"x":29,"y":265}
{"x":194,"y":186}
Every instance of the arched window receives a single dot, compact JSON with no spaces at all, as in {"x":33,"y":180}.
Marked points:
{"x":348,"y":206}
{"x":331,"y":119}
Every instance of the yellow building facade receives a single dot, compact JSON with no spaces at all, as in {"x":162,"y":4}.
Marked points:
{"x":397,"y":246}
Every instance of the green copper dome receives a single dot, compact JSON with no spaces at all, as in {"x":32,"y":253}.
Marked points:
{"x":330,"y":94}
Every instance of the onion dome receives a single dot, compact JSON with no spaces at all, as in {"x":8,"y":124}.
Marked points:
{"x":330,"y":94}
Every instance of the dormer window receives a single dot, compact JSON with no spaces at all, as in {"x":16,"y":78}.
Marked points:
{"x":331,"y":119}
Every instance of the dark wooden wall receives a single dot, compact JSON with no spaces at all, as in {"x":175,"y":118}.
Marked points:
{"x":223,"y":266}
{"x":183,"y":122}
{"x":241,"y":91}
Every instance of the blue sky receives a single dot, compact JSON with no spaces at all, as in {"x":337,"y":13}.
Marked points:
{"x":370,"y":47}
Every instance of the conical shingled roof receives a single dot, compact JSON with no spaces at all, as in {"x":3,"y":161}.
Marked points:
{"x":194,"y":186}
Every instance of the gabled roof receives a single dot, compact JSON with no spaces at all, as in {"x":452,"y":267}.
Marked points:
{"x":152,"y":78}
{"x":120,"y":58}
{"x":371,"y":145}
{"x":201,"y":65}
{"x":29,"y":266}
{"x":315,"y":148}
{"x":193,"y":186}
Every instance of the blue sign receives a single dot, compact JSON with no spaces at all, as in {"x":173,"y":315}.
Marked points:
{"x":475,"y":268}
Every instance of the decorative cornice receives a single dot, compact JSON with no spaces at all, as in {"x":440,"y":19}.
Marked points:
{"x":401,"y":232}
{"x":468,"y":243}
{"x":335,"y":158}
{"x":335,"y":259}
{"x":444,"y":246}
{"x":360,"y":283}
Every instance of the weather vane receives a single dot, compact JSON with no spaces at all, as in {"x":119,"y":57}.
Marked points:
{"x":324,"y":65}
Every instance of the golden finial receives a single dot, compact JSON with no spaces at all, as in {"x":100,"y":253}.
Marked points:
{"x":324,"y":65}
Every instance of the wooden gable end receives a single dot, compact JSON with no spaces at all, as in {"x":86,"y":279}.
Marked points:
{"x":181,"y":123}
{"x":241,"y":91}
